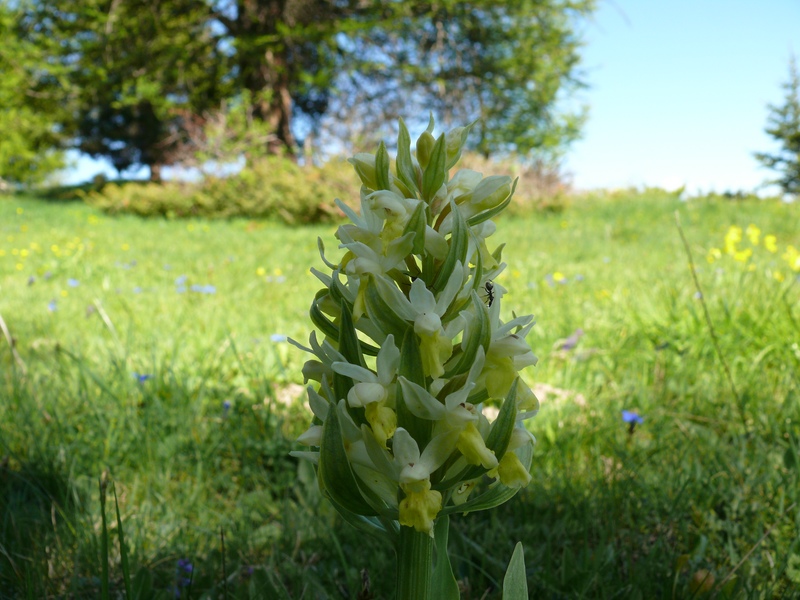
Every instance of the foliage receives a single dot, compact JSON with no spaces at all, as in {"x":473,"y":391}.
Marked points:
{"x":29,"y":149}
{"x":134,"y":79}
{"x":506,"y":66}
{"x":613,"y":513}
{"x":131,"y":71}
{"x":272,"y":187}
{"x":784,"y":127}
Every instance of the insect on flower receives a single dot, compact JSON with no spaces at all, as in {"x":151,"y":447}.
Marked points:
{"x":489,"y":288}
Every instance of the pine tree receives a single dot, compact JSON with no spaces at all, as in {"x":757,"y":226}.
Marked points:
{"x":783,"y":125}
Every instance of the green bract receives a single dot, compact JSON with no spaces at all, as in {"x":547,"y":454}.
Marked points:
{"x":414,"y":346}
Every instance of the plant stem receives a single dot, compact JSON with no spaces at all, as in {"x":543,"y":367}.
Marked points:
{"x":414,"y":565}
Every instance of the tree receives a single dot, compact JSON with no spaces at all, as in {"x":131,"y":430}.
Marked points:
{"x":783,"y":125}
{"x":506,"y":66}
{"x":30,"y":137}
{"x":134,"y":69}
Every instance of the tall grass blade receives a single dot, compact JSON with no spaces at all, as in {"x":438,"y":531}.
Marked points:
{"x":104,"y":589}
{"x":123,"y":550}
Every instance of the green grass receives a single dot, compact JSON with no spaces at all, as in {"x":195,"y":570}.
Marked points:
{"x":710,"y":480}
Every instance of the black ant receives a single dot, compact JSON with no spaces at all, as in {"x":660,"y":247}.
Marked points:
{"x":489,"y":287}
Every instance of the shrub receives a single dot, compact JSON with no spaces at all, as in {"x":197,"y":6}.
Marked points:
{"x":542,"y":186}
{"x":273,"y":187}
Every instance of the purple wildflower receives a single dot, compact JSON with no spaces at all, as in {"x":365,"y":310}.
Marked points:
{"x":572,"y":340}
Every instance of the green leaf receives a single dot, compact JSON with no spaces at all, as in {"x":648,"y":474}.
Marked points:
{"x":480,"y":336}
{"x":336,"y":478}
{"x":329,"y":328}
{"x":411,"y":368}
{"x":348,"y":338}
{"x":382,"y":178}
{"x":435,"y":172}
{"x":503,"y":426}
{"x":443,"y":582}
{"x":496,"y":495}
{"x":515,"y":583}
{"x":417,"y":224}
{"x":382,"y":314}
{"x":404,"y":165}
{"x":459,"y":241}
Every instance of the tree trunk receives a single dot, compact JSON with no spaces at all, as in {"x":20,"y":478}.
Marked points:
{"x":155,"y":173}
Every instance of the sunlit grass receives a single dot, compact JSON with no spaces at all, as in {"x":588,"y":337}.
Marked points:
{"x":179,"y":394}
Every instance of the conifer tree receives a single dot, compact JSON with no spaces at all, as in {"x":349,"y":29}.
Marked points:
{"x":783,"y":125}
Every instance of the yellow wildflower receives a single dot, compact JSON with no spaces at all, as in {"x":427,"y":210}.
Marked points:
{"x":733,"y":237}
{"x":792,"y":258}
{"x":771,"y":243}
{"x":743,"y":255}
{"x":753,"y":234}
{"x":714,"y":254}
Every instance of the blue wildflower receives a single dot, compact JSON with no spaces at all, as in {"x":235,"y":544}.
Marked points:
{"x":137,"y":290}
{"x":203,"y":289}
{"x":52,"y":306}
{"x":226,"y":406}
{"x":181,"y":289}
{"x":31,"y":280}
{"x":277,"y":338}
{"x":141,"y":378}
{"x":632,"y":418}
{"x":579,"y":277}
{"x":73,"y":282}
{"x":180,"y":280}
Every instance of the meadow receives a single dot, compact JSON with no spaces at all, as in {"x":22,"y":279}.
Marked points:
{"x":147,"y":363}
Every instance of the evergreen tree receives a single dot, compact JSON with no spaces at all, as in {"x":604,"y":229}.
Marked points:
{"x":783,"y":126}
{"x":132,"y":72}
{"x":29,"y":110}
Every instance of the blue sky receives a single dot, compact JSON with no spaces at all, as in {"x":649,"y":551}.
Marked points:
{"x":678,"y":93}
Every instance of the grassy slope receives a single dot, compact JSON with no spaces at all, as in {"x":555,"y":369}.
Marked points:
{"x":608,"y":514}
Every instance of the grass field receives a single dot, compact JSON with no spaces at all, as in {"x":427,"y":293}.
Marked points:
{"x":152,"y":354}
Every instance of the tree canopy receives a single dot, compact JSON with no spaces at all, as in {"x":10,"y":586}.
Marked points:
{"x":134,"y":75}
